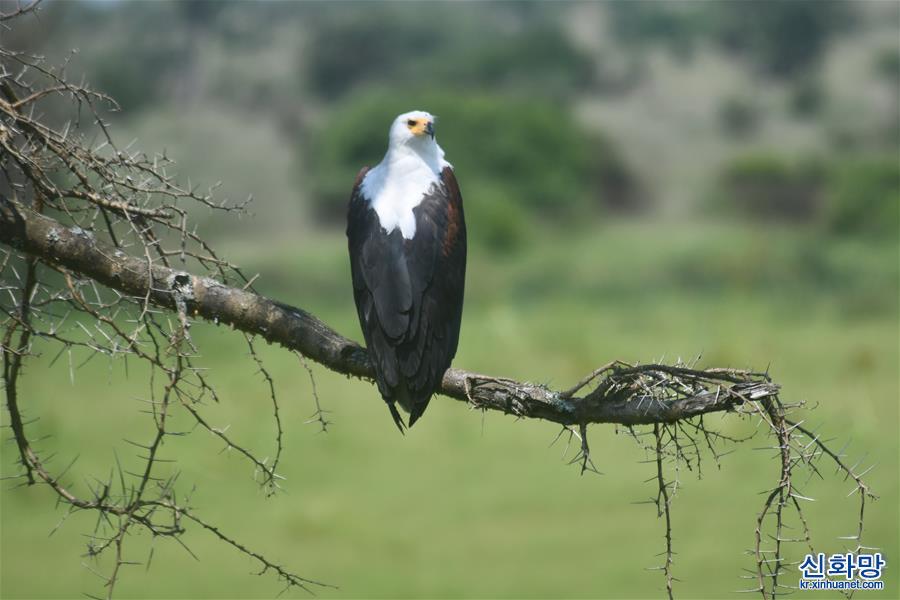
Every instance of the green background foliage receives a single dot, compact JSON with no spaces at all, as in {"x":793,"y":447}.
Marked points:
{"x":530,"y":158}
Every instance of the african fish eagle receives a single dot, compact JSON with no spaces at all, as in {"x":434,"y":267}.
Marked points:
{"x":407,"y":240}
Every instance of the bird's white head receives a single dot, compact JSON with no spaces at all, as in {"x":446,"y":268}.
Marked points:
{"x":415,"y":128}
{"x":412,"y":165}
{"x":412,"y":137}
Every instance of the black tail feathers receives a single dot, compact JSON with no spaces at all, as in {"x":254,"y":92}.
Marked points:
{"x":416,"y":410}
{"x":397,"y":418}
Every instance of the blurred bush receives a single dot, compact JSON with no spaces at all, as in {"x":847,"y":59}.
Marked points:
{"x":807,"y":97}
{"x":738,"y":116}
{"x":780,"y":38}
{"x":353,"y":48}
{"x":675,"y":25}
{"x":864,"y":198}
{"x":847,"y":196}
{"x":770,"y":187}
{"x":503,"y":46}
{"x":541,"y":59}
{"x":516,"y":159}
{"x":887,"y":65}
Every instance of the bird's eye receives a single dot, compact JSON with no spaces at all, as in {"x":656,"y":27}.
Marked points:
{"x":411,"y":123}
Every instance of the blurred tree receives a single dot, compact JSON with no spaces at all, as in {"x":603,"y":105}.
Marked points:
{"x":859,"y":196}
{"x":136,"y":65}
{"x":887,"y":65}
{"x":864,"y":198}
{"x":356,"y":47}
{"x":767,"y":186}
{"x":539,"y":58}
{"x":677,"y":25}
{"x":807,"y":97}
{"x":738,"y":116}
{"x":780,"y":37}
{"x":617,"y":187}
{"x":500,"y":47}
{"x":200,"y":22}
{"x":783,"y":38}
{"x":200,"y":13}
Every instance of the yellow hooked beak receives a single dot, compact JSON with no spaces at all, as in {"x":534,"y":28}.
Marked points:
{"x":421,"y":127}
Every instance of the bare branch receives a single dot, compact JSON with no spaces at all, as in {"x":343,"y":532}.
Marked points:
{"x":21,"y":8}
{"x":628,"y":395}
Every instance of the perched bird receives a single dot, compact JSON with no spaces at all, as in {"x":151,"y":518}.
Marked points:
{"x":407,"y":240}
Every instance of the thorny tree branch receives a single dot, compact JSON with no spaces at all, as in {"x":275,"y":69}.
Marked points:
{"x":621,"y":396}
{"x":20,"y":8}
{"x":93,"y":233}
{"x":100,"y":189}
{"x":662,"y":507}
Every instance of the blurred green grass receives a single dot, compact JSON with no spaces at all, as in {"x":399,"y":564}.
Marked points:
{"x":472,"y":505}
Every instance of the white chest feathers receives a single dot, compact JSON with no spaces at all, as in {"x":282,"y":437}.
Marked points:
{"x":396,"y":186}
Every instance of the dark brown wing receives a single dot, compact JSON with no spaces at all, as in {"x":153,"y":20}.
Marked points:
{"x":409,"y":293}
{"x":437,"y":261}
